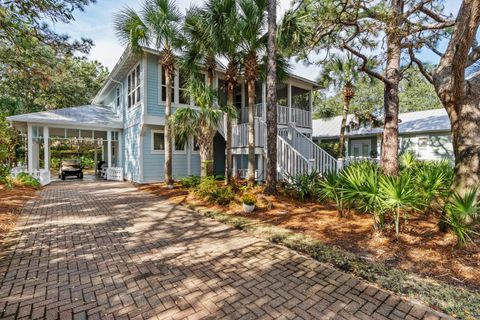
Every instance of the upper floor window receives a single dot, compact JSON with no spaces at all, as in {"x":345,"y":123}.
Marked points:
{"x":164,"y":87}
{"x":117,"y":97}
{"x":133,"y":85}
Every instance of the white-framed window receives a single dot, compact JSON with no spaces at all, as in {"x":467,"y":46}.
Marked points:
{"x":195,"y":145}
{"x":117,"y":97}
{"x":423,"y":142}
{"x":133,"y":87}
{"x":179,"y":147}
{"x":158,"y":141}
{"x":163,"y":87}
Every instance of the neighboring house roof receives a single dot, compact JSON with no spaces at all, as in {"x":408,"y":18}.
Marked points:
{"x":410,"y":122}
{"x":86,"y":116}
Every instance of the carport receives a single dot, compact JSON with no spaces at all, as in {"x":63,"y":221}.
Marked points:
{"x":93,"y":123}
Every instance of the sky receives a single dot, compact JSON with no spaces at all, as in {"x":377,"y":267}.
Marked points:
{"x":96,"y":23}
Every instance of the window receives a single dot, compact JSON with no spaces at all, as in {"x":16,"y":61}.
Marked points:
{"x":179,"y":146}
{"x":117,"y":99}
{"x":164,"y":87}
{"x":133,"y":85}
{"x":422,"y":143}
{"x":183,"y":97}
{"x":158,"y":141}
{"x":196,"y":145}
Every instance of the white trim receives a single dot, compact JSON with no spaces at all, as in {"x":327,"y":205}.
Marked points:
{"x":139,"y":86}
{"x":109,"y":148}
{"x":46,"y":148}
{"x":152,"y":150}
{"x":30,"y":148}
{"x":193,"y":146}
{"x":185,"y":146}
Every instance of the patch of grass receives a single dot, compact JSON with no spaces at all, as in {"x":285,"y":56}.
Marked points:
{"x":460,"y":303}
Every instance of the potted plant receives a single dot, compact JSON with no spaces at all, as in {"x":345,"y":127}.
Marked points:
{"x":249,"y":200}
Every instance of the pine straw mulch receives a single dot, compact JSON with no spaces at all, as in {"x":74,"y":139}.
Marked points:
{"x":11,"y":204}
{"x":420,"y":249}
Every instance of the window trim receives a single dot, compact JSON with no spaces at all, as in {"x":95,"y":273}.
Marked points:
{"x":139,"y":86}
{"x":152,"y":144}
{"x":117,"y":97}
{"x":175,"y":151}
{"x":192,"y":139}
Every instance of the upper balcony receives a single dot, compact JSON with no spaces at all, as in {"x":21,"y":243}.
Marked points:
{"x":294,"y":105}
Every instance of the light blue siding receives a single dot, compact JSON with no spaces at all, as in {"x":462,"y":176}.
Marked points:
{"x":131,"y":152}
{"x":196,"y":164}
{"x":153,"y":85}
{"x":153,"y":163}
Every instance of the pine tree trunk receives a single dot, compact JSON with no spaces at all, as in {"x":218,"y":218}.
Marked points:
{"x":389,"y":157}
{"x":341,"y":140}
{"x":251,"y":132}
{"x":466,"y":145}
{"x":168,"y":131}
{"x":228,"y":129}
{"x":271,"y":183}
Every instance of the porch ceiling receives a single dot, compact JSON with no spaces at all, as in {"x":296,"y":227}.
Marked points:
{"x":88,"y":116}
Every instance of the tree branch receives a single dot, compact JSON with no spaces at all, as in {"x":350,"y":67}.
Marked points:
{"x":363,"y":66}
{"x":473,"y":56}
{"x":420,"y":65}
{"x":435,"y":16}
{"x":432,"y":26}
{"x":416,"y":8}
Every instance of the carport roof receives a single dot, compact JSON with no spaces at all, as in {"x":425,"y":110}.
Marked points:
{"x":88,"y":116}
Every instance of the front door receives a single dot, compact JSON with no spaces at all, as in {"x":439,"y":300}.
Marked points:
{"x":361,"y":148}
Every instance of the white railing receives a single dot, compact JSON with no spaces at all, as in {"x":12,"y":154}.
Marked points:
{"x":114,"y":174}
{"x":257,"y":109}
{"x":243,"y":174}
{"x":42,"y":175}
{"x":290,"y":162}
{"x":282,"y":115}
{"x":240,"y":134}
{"x":352,"y":159}
{"x":323,"y":161}
{"x":301,"y":118}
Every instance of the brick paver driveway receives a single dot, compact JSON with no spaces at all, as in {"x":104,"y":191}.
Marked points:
{"x":107,"y":250}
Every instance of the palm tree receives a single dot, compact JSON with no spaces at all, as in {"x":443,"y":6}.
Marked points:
{"x":157,"y":24}
{"x":251,"y":23}
{"x":202,"y":123}
{"x":271,"y":183}
{"x":341,"y":73}
{"x":222,"y":15}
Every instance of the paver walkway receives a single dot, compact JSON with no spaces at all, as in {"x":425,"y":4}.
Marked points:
{"x":106,"y":250}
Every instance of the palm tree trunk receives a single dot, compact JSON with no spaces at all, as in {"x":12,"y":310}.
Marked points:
{"x":206,"y":152}
{"x":228,"y":129}
{"x":341,"y":140}
{"x":271,"y":181}
{"x":168,"y":132}
{"x":251,"y":132}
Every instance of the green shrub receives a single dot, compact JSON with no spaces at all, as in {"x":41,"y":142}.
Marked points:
{"x":462,"y":213}
{"x":7,"y":181}
{"x":4,"y":171}
{"x":330,"y":188}
{"x":190,"y":182}
{"x":209,"y":189}
{"x":432,"y":181}
{"x":408,"y":161}
{"x":87,"y":162}
{"x":27,"y":180}
{"x":361,"y":190}
{"x":398,"y":196}
{"x":305,"y":185}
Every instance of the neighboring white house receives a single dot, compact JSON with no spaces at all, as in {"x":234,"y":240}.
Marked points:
{"x":425,"y":133}
{"x":127,"y":117}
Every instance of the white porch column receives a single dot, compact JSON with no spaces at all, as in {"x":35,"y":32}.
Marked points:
{"x":109,"y":148}
{"x":234,"y":166}
{"x":260,"y":168}
{"x":30,"y":148}
{"x":120,"y":150}
{"x":46,"y":148}
{"x":289,"y":102}
{"x":264,"y":101}
{"x":103,"y":150}
{"x":96,"y":156}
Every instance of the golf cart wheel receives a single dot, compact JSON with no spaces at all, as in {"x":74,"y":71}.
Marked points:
{"x":63,"y":176}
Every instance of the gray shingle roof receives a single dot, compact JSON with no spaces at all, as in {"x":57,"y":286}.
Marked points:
{"x":88,"y":115}
{"x":410,"y":122}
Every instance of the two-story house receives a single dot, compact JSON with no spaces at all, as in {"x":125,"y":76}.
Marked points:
{"x":127,"y":117}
